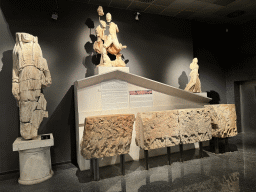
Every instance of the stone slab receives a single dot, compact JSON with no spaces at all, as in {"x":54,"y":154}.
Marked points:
{"x":223,"y":119}
{"x":157,"y":129}
{"x":99,"y":70}
{"x":107,"y":135}
{"x":195,"y":125}
{"x":23,"y":144}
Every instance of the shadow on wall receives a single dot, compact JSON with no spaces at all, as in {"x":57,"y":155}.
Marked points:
{"x":9,"y":123}
{"x":215,"y":97}
{"x":93,"y":59}
{"x":183,"y":80}
{"x":62,"y":124}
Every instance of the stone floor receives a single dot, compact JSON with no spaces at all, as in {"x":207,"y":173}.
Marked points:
{"x":234,"y":170}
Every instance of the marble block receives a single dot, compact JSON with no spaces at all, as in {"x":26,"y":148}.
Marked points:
{"x":99,"y":70}
{"x":195,"y":125}
{"x":204,"y":94}
{"x":35,"y":159}
{"x":223,"y":119}
{"x":107,"y":135}
{"x":157,"y":129}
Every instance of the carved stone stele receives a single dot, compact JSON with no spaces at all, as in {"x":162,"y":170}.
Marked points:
{"x":107,"y":135}
{"x":194,"y":125}
{"x":157,"y":129}
{"x":223,"y":118}
{"x":30,"y":75}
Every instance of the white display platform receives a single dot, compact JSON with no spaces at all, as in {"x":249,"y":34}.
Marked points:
{"x":93,"y":97}
{"x":35,"y":159}
{"x":99,"y":70}
{"x":204,"y":94}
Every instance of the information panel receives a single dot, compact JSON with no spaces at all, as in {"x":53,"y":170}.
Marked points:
{"x":114,"y":94}
{"x":141,"y":98}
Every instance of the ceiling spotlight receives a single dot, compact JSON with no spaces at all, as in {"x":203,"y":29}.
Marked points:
{"x":137,"y":16}
{"x":54,"y":16}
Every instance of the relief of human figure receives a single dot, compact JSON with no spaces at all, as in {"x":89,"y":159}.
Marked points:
{"x":194,"y":84}
{"x":30,"y":75}
{"x":111,"y":44}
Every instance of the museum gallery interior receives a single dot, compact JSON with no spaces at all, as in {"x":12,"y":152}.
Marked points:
{"x":128,"y":95}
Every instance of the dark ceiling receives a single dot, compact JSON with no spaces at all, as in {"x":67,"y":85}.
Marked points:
{"x":218,"y":11}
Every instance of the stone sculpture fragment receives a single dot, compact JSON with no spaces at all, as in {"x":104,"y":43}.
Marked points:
{"x":194,"y":125}
{"x":30,"y":75}
{"x":157,"y":129}
{"x":107,"y":135}
{"x":223,"y":119}
{"x":194,"y":84}
{"x":108,"y":43}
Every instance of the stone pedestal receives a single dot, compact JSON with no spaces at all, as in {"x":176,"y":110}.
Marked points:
{"x":35,"y":159}
{"x":100,"y":70}
{"x":204,"y":94}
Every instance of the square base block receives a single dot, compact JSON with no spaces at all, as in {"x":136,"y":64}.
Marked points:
{"x":35,"y":159}
{"x":100,"y":70}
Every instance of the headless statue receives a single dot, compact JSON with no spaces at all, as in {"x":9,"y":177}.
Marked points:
{"x":194,"y":84}
{"x":30,"y":75}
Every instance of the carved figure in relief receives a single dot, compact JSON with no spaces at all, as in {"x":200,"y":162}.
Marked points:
{"x":194,"y":84}
{"x":108,"y":44}
{"x":30,"y":75}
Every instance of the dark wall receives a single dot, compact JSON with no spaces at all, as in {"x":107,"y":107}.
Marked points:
{"x":214,"y":47}
{"x":158,"y":47}
{"x":240,"y":73}
{"x":243,"y":67}
{"x":248,"y":106}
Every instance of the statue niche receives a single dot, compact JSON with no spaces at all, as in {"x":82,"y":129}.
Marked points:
{"x":108,"y":43}
{"x":30,"y":75}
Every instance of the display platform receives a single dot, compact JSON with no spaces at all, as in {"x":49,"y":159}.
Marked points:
{"x":119,"y":92}
{"x":99,"y":70}
{"x":35,"y":158}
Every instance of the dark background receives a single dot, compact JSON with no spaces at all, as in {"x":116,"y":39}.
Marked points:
{"x":158,"y":47}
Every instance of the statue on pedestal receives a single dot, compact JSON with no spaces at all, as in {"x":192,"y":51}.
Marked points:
{"x":30,"y":75}
{"x":194,"y":84}
{"x":108,"y":44}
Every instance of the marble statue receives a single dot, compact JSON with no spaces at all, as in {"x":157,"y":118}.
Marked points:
{"x":108,"y":43}
{"x":30,"y":75}
{"x":194,"y":84}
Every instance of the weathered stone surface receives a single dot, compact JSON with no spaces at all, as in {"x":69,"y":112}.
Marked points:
{"x":30,"y":75}
{"x":157,"y":129}
{"x":107,"y":135}
{"x":194,"y":125}
{"x":223,"y":119}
